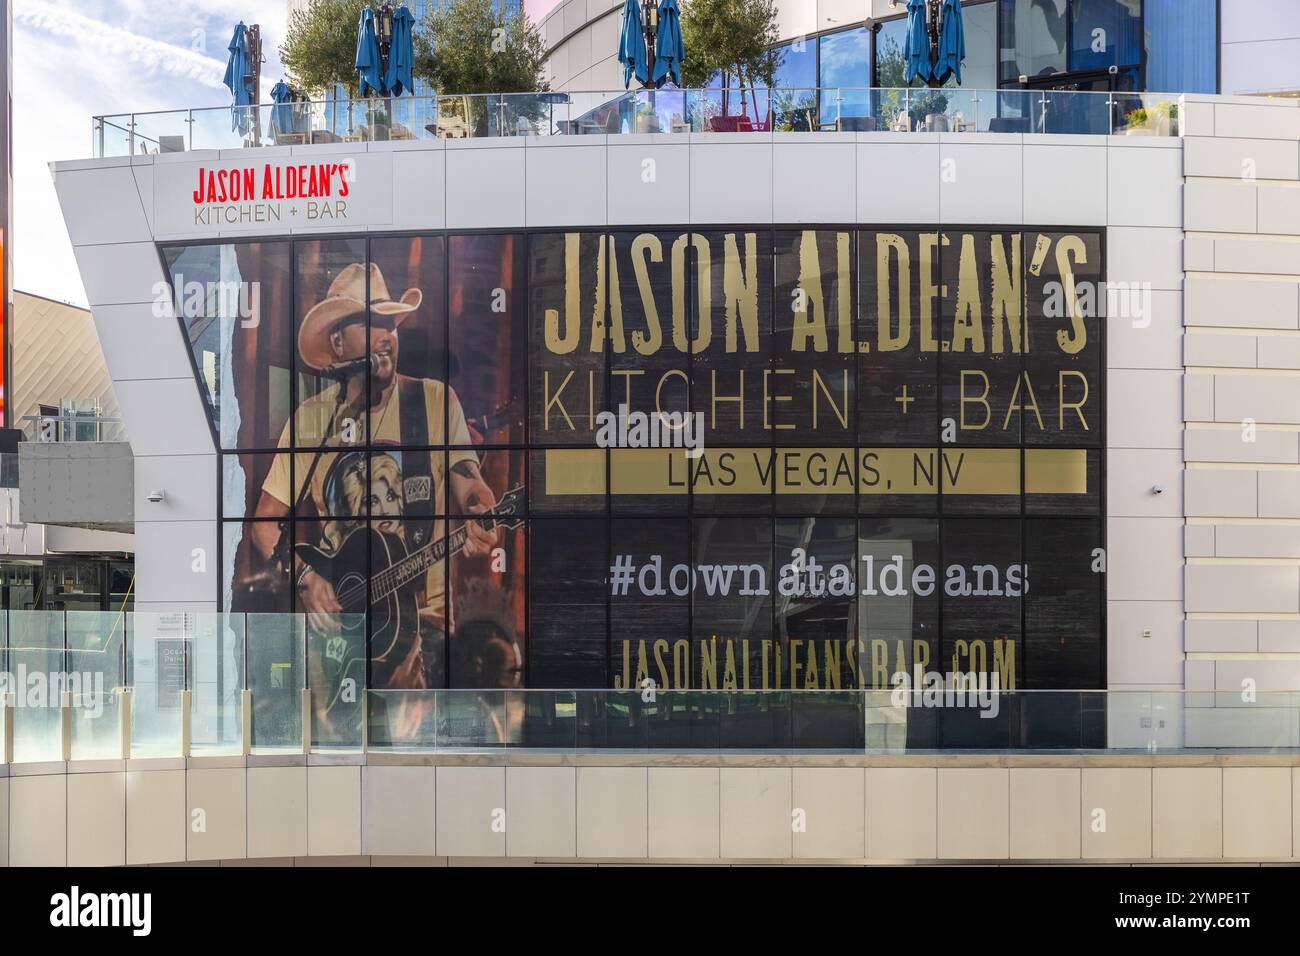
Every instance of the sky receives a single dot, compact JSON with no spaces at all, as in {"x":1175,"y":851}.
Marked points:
{"x":73,"y":60}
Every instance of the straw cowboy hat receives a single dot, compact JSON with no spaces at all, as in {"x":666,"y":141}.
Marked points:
{"x":347,"y":298}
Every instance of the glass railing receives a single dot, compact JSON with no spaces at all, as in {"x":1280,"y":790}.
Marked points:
{"x":66,"y":428}
{"x":619,"y":112}
{"x":87,"y":685}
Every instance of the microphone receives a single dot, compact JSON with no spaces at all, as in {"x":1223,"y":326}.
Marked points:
{"x":345,"y":371}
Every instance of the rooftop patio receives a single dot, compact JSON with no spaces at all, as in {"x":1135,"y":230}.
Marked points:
{"x":665,"y":111}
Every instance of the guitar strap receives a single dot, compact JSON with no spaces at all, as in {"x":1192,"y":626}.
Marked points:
{"x":418,"y":482}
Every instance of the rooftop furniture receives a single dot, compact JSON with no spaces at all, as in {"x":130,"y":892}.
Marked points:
{"x":1009,"y":124}
{"x":857,"y":124}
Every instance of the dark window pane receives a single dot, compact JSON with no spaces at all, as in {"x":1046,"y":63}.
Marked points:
{"x":488,"y":642}
{"x":731,"y":304}
{"x":567,"y":603}
{"x":981,"y":338}
{"x":983,"y":585}
{"x":1063,"y":632}
{"x":566,"y":281}
{"x":814,"y":598}
{"x":488,"y":341}
{"x":1061,"y":390}
{"x":650,"y":619}
{"x":1182,"y":45}
{"x":733,"y":605}
{"x":408,"y":332}
{"x":234,"y":301}
{"x":900,"y":589}
{"x":331,"y":285}
{"x":256,"y":561}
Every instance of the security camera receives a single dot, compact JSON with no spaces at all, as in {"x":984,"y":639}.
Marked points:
{"x":157,"y":496}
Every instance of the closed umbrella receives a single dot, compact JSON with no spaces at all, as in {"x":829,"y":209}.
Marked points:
{"x":239,"y":69}
{"x":669,"y":49}
{"x":282,"y":119}
{"x":952,"y":43}
{"x":401,"y":53}
{"x":631,"y":45}
{"x":917,"y":51}
{"x":369,"y":68}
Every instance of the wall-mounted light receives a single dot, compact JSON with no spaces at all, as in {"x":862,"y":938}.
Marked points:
{"x":157,"y":496}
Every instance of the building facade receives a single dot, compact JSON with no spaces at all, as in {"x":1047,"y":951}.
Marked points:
{"x":1171,"y":46}
{"x":1029,"y":409}
{"x":63,"y":403}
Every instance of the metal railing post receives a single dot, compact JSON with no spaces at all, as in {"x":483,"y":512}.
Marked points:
{"x":187,"y":731}
{"x":65,"y":724}
{"x":365,"y":720}
{"x":124,"y":723}
{"x":305,"y":711}
{"x":9,"y":727}
{"x":246,"y":722}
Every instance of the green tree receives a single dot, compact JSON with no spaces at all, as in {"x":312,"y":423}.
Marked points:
{"x":737,"y":38}
{"x":471,"y":46}
{"x":320,"y":46}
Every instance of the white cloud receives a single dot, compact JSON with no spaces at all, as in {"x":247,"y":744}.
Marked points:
{"x":110,"y":42}
{"x":72,"y":62}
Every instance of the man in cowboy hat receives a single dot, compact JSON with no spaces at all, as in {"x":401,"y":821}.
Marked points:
{"x":397,"y":410}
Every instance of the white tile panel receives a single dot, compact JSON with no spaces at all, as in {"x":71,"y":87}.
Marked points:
{"x":1232,"y":588}
{"x":102,"y":205}
{"x":648,"y":183}
{"x":565,"y":185}
{"x":897,"y":182}
{"x":121,"y":273}
{"x":1144,"y":187}
{"x":731,"y":182}
{"x":1219,"y":205}
{"x":1146,"y":255}
{"x":488,"y":189}
{"x":1065,"y":184}
{"x":1144,"y":558}
{"x":420,"y":183}
{"x":813,"y":182}
{"x":980,"y":183}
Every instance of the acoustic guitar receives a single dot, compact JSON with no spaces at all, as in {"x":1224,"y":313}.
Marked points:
{"x":392,"y":593}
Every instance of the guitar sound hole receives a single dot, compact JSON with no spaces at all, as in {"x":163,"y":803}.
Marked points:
{"x":352,"y":589}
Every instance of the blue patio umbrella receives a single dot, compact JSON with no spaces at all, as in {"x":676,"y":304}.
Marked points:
{"x":282,"y":118}
{"x":952,"y":43}
{"x":631,"y":45}
{"x":669,"y":50}
{"x":401,"y":53}
{"x":368,"y":63}
{"x":239,"y":68}
{"x":917,"y":48}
